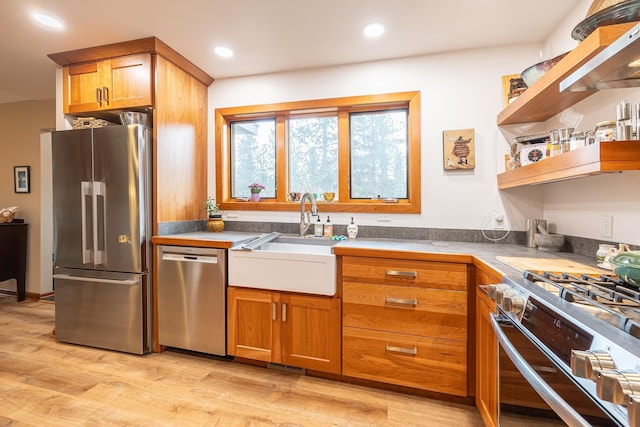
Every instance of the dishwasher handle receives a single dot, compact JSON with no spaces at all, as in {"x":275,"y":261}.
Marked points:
{"x":203,"y":259}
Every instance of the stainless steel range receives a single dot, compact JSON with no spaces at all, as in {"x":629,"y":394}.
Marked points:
{"x":588,"y":329}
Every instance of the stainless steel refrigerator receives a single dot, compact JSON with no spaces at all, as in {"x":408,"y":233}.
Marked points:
{"x":101,"y":211}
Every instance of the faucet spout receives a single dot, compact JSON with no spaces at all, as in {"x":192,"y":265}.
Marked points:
{"x":305,"y":223}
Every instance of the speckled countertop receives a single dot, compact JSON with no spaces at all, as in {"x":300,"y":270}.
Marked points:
{"x":485,"y":252}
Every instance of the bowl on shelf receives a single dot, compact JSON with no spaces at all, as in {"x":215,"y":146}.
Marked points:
{"x":626,"y":265}
{"x":536,"y":71}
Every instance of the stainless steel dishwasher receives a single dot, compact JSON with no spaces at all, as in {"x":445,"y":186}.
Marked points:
{"x":192,"y":285}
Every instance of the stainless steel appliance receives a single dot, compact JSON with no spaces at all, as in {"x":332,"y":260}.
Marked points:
{"x":574,"y":342}
{"x":192,"y":293}
{"x":101,"y":212}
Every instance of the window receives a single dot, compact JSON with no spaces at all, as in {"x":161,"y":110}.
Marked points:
{"x":364,"y":149}
{"x":253,"y":156}
{"x":379,"y":155}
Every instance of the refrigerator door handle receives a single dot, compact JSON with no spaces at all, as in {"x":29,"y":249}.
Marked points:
{"x":95,"y":279}
{"x":100,"y":254}
{"x":85,"y":191}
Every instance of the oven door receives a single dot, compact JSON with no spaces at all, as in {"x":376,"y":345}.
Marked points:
{"x":533,"y":390}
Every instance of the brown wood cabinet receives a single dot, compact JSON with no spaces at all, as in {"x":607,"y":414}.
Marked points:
{"x":486,"y":351}
{"x":405,"y":322}
{"x":147,"y":75}
{"x":117,"y":83}
{"x":291,"y":329}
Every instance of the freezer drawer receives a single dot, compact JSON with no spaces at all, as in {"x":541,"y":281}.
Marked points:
{"x":192,"y":298}
{"x":105,"y":312}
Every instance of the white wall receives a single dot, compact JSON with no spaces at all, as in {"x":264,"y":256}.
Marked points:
{"x":459,"y":90}
{"x":463,"y":90}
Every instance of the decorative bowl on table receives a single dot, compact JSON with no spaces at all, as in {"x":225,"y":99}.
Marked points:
{"x":626,"y":265}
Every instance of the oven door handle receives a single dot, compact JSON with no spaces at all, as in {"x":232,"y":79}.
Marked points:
{"x":559,"y":406}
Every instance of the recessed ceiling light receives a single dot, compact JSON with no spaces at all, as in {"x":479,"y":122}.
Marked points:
{"x":223,"y":51}
{"x":48,"y":21}
{"x":373,"y":30}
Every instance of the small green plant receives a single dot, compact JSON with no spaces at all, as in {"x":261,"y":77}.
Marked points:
{"x":212,"y":207}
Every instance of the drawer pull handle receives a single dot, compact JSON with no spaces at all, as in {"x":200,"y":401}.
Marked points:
{"x":412,"y":351}
{"x":274,"y":311}
{"x":411,"y":274}
{"x":403,"y":301}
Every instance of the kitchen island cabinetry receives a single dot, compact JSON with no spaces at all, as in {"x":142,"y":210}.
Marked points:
{"x":405,"y":322}
{"x":486,"y":350}
{"x":286,"y":328}
{"x":116,"y":83}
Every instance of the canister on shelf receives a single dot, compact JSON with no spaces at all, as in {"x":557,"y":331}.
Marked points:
{"x":606,"y":131}
{"x":623,"y":121}
{"x":578,"y":139}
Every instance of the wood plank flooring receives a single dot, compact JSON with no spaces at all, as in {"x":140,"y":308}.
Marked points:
{"x":47,"y":383}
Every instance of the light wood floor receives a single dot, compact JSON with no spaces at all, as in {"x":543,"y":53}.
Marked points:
{"x":46,"y":383}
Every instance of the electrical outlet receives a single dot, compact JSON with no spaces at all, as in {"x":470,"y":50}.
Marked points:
{"x":384,"y":218}
{"x":607,"y":226}
{"x":233,"y":215}
{"x":498,"y":221}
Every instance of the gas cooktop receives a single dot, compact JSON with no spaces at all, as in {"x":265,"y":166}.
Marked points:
{"x":605,"y":297}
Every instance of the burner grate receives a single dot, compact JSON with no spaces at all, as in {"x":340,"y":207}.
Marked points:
{"x":606,"y":297}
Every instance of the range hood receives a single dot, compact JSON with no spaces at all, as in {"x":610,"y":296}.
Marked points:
{"x":616,"y":66}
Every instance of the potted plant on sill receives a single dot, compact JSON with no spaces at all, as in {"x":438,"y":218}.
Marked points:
{"x":215,"y":222}
{"x":256,"y":188}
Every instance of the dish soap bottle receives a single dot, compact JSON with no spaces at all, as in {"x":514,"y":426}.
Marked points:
{"x":352,"y":230}
{"x":328,"y":228}
{"x":317,"y":228}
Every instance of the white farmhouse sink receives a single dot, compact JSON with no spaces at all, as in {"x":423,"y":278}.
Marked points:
{"x":286,"y":264}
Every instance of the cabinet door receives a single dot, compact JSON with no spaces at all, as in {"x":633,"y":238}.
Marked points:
{"x":486,"y":362}
{"x":311,"y":332}
{"x":127,"y":82}
{"x":81,"y":84}
{"x":253,"y":325}
{"x":115,"y":83}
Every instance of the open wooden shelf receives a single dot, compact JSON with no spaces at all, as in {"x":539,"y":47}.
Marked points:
{"x":611,"y":156}
{"x":543,"y":99}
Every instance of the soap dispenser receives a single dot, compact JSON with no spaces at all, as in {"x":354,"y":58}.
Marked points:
{"x":317,"y":228}
{"x":328,"y":228}
{"x":352,"y":230}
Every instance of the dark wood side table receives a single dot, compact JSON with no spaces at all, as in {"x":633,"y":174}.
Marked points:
{"x":13,"y":255}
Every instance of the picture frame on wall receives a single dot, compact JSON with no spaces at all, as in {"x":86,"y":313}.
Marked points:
{"x":459,"y":149}
{"x":21,"y":179}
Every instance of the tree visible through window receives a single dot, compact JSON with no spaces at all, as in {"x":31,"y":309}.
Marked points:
{"x":313,"y":154}
{"x":253,"y":157}
{"x":379,"y":155}
{"x":365,"y":149}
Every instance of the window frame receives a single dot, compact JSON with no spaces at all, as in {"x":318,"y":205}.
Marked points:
{"x":342,"y":107}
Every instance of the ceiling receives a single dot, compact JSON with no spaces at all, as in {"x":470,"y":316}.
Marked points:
{"x":267,"y":36}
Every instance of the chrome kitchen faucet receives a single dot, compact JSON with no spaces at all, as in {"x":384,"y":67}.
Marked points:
{"x":304,"y":225}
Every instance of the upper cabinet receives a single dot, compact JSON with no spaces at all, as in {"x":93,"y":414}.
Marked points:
{"x":544,"y":100}
{"x":117,"y":83}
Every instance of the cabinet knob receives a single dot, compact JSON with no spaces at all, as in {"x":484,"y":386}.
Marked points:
{"x":616,"y":386}
{"x":587,"y":364}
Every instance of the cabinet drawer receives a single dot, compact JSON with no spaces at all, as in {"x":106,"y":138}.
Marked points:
{"x":440,"y":275}
{"x":409,"y":310}
{"x":424,"y":363}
